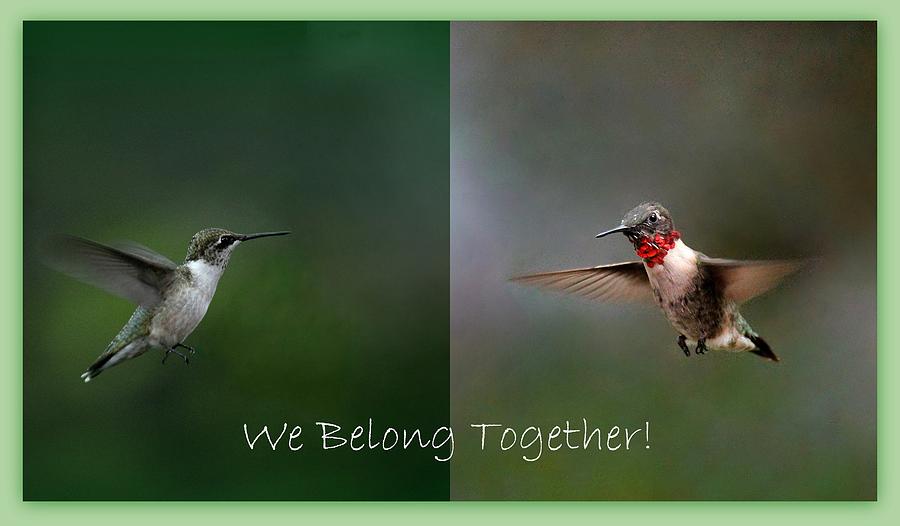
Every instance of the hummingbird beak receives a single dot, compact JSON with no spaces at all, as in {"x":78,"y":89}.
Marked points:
{"x":620,"y":228}
{"x":262,"y":234}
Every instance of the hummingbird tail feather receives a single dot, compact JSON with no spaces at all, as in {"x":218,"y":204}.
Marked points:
{"x":762,"y":348}
{"x":88,"y":375}
{"x":96,"y":368}
{"x":124,"y":345}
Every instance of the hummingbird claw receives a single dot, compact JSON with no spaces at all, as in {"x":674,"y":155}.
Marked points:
{"x":187,"y":360}
{"x":683,"y":345}
{"x":701,"y":346}
{"x":183,"y":346}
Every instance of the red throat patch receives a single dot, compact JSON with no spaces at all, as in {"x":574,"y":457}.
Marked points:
{"x":653,"y":251}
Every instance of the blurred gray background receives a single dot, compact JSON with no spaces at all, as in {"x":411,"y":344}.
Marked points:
{"x":761,"y":140}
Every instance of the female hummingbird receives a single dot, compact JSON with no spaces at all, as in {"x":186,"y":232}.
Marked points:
{"x":699,"y":295}
{"x":172,"y":299}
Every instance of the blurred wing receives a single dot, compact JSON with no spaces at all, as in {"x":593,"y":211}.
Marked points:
{"x":146,"y":254}
{"x":742,"y":280}
{"x":616,"y":282}
{"x":137,"y":274}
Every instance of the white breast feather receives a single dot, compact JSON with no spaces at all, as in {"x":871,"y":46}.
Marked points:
{"x":185,"y":308}
{"x":205,"y":276}
{"x":674,"y":277}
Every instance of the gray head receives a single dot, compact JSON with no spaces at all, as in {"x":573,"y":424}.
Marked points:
{"x":214,"y":245}
{"x":644,"y":221}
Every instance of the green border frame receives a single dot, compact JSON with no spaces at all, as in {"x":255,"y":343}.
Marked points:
{"x":13,"y":510}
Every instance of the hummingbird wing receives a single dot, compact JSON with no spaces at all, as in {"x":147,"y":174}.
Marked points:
{"x":621,"y":282}
{"x":742,"y":280}
{"x":133,"y":272}
{"x":147,"y":254}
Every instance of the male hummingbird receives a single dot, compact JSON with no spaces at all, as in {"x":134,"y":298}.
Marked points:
{"x":172,"y":299}
{"x":698,"y":294}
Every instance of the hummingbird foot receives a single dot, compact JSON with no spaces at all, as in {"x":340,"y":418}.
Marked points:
{"x":681,"y":343}
{"x":183,"y":346}
{"x":701,"y":346}
{"x":172,"y":350}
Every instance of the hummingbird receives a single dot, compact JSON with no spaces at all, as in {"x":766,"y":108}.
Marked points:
{"x":699,"y":295}
{"x":172,"y":299}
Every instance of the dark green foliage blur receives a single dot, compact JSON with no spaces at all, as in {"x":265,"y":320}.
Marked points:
{"x":153,"y":131}
{"x":761,"y":141}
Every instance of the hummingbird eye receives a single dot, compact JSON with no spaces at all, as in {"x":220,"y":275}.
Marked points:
{"x":224,"y":241}
{"x":653,"y":217}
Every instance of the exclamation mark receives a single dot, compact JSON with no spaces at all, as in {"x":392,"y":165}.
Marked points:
{"x":647,"y":434}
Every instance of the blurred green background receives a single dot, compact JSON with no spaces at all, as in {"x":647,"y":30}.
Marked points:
{"x":152,"y":131}
{"x":761,"y":141}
